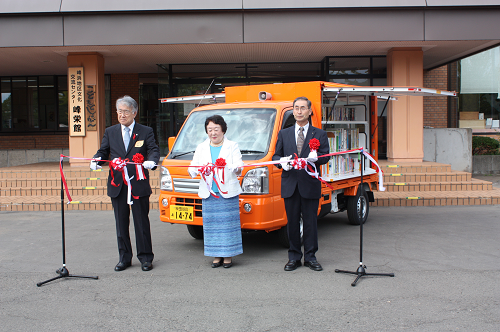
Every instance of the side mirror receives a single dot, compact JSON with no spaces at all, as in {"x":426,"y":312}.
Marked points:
{"x":171,"y":141}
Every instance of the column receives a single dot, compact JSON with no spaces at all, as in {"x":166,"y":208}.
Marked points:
{"x":405,"y":118}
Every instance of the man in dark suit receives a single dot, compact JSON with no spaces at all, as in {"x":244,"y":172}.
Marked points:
{"x":300,"y":191}
{"x":127,"y":140}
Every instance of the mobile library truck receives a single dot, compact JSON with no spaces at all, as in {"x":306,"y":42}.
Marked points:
{"x":254,"y":115}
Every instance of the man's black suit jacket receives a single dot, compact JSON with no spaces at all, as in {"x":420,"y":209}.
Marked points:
{"x":141,"y":141}
{"x":286,"y":145}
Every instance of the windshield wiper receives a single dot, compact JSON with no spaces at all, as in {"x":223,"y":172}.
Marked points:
{"x":181,"y":154}
{"x":251,"y":151}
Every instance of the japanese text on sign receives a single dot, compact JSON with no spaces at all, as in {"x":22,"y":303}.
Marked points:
{"x":76,"y":102}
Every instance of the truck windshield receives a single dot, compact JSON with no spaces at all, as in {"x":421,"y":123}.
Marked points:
{"x":251,"y":128}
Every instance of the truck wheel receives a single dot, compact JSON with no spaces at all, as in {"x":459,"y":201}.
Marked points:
{"x":195,"y":231}
{"x":358,"y":208}
{"x":282,"y":234}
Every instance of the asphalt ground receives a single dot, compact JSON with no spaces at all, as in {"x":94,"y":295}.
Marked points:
{"x":445,"y":260}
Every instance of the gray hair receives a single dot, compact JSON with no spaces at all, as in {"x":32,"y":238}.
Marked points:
{"x":129,"y":101}
{"x":302,"y":98}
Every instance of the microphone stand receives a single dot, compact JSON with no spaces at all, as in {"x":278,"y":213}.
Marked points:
{"x":361,"y":271}
{"x":63,"y":271}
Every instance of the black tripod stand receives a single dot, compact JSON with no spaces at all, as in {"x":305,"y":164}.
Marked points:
{"x":63,"y":271}
{"x":360,"y":272}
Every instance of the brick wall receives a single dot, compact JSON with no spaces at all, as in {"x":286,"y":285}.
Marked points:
{"x":15,"y":142}
{"x":123,"y":84}
{"x":436,"y":108}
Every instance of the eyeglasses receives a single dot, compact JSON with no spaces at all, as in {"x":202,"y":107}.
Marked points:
{"x":302,"y":108}
{"x":124,"y":112}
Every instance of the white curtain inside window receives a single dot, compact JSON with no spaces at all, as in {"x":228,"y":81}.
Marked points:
{"x":480,"y":73}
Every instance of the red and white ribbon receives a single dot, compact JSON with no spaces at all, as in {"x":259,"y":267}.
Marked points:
{"x":121,"y":166}
{"x":209,"y":169}
{"x":139,"y":172}
{"x":379,"y":171}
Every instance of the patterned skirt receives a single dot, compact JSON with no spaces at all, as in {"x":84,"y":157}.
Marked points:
{"x":221,"y":226}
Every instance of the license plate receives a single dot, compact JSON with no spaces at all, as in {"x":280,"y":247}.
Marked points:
{"x":179,"y":212}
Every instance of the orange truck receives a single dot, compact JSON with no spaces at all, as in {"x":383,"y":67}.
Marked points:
{"x":254,"y":115}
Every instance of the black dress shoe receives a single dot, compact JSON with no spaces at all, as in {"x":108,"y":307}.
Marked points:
{"x":217,"y":264}
{"x":228,"y":265}
{"x":122,"y":266}
{"x":313,"y":265}
{"x":292,"y":265}
{"x":147,"y":266}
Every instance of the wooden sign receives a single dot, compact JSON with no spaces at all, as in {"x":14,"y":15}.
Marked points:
{"x":76,"y":102}
{"x":91,"y":107}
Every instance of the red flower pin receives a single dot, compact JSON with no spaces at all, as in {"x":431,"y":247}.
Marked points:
{"x":138,"y":158}
{"x":221,"y":162}
{"x":314,"y":144}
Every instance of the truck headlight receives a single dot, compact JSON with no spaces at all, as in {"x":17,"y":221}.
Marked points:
{"x":256,"y":181}
{"x":165,"y":180}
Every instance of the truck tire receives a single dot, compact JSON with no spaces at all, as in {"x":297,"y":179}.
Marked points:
{"x":195,"y":231}
{"x":282,"y":234}
{"x":358,"y":207}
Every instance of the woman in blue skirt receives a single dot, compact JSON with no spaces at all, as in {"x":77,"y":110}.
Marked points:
{"x":219,"y":191}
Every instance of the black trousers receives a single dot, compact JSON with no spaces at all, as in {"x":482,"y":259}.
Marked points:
{"x":140,"y":212}
{"x":295,"y":206}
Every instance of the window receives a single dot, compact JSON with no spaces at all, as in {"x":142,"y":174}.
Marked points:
{"x":480,"y":84}
{"x":251,"y":128}
{"x":6,"y":114}
{"x":34,"y":103}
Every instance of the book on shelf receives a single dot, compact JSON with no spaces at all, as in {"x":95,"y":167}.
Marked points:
{"x":339,"y":114}
{"x":342,"y":139}
{"x":344,"y":164}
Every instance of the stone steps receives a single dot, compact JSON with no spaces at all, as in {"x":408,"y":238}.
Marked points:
{"x":37,"y":187}
{"x":432,"y":184}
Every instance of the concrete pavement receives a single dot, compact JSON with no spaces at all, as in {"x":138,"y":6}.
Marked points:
{"x":446,"y":262}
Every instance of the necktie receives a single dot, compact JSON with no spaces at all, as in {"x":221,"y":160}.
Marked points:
{"x":126,"y":137}
{"x":300,"y":140}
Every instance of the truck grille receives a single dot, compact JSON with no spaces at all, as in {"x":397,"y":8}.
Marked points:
{"x":195,"y":203}
{"x":189,"y":186}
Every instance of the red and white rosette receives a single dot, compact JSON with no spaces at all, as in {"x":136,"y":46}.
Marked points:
{"x":299,"y":163}
{"x":139,"y":170}
{"x":206,"y":173}
{"x":314,"y":146}
{"x":310,"y":167}
{"x":220,"y":164}
{"x":209,"y":171}
{"x":120,"y":165}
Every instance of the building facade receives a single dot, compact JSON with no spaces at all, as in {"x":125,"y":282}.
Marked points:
{"x":157,"y":49}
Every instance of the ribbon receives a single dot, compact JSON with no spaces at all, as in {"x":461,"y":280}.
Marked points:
{"x":310,"y":168}
{"x":121,"y":166}
{"x":209,"y":170}
{"x":139,"y":170}
{"x":63,"y":178}
{"x":220,"y":163}
{"x":379,"y":171}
